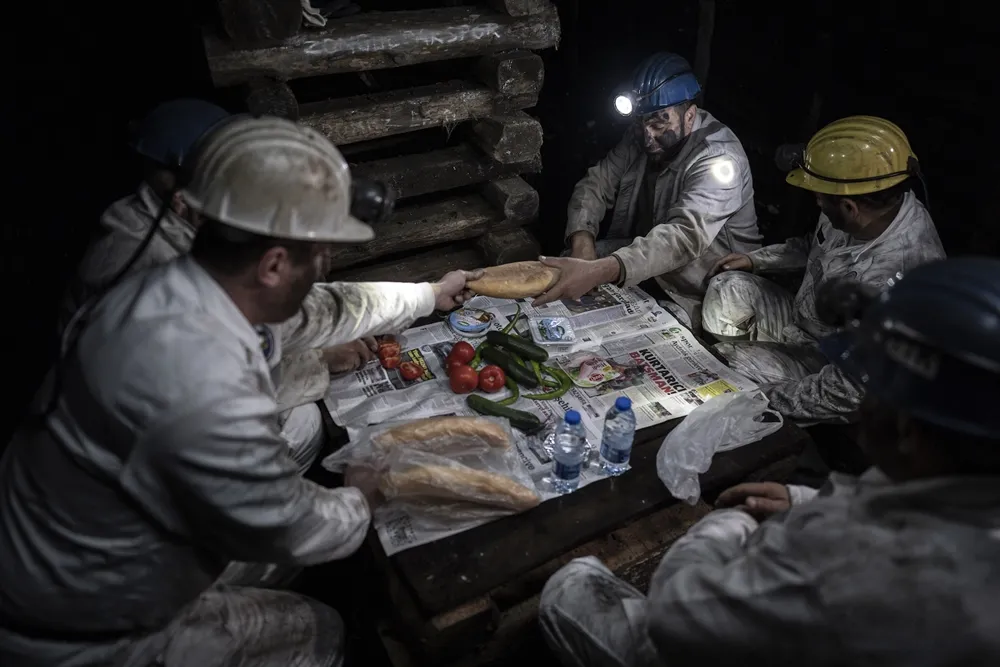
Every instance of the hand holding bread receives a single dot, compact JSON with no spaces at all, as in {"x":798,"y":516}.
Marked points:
{"x":518,"y":280}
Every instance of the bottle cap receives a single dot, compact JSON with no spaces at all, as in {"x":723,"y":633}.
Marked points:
{"x":572,"y":417}
{"x":623,"y":403}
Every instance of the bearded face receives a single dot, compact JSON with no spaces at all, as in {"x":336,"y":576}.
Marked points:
{"x":662,"y":131}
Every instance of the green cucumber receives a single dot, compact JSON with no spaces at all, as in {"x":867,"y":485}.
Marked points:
{"x":518,"y":346}
{"x":519,"y":419}
{"x":510,"y":366}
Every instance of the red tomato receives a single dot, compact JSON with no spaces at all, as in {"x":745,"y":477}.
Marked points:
{"x":388,"y":350}
{"x":491,"y":379}
{"x":450,"y":364}
{"x":464,"y":379}
{"x":410,"y":370}
{"x":462,"y":351}
{"x":390,"y":361}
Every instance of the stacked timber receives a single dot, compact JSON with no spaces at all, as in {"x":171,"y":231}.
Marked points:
{"x":453,"y":149}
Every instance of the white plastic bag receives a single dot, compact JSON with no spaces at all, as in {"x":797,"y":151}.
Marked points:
{"x":721,"y":423}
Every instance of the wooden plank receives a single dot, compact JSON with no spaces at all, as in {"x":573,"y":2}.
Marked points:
{"x":512,"y":73}
{"x":259,"y":23}
{"x":268,"y":97}
{"x":421,"y":226}
{"x":620,"y":549}
{"x":444,"y":169}
{"x":504,"y":247}
{"x":365,"y":117}
{"x":520,"y":7}
{"x":445,"y":573}
{"x":513,"y":196}
{"x":417,"y":267}
{"x":631,"y":552}
{"x":507,"y":202}
{"x":381,"y":40}
{"x":507,"y":138}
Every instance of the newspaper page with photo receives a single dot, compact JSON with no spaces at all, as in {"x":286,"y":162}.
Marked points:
{"x":627,"y":345}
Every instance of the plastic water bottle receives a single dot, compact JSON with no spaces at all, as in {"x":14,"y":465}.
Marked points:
{"x":568,"y":453}
{"x":616,"y":441}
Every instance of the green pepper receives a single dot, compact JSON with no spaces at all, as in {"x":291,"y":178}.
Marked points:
{"x":564,"y":385}
{"x":510,"y":325}
{"x":515,"y":393}
{"x":537,"y":368}
{"x":479,"y":354}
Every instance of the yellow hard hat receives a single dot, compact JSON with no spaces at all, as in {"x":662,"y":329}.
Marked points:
{"x":854,"y":156}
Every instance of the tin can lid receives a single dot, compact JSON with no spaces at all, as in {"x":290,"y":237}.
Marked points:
{"x":470,"y":321}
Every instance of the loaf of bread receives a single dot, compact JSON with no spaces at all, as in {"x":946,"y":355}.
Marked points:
{"x":518,"y":280}
{"x":458,"y":483}
{"x":440,"y":434}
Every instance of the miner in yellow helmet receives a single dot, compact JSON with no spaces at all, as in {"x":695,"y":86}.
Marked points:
{"x":872,"y":229}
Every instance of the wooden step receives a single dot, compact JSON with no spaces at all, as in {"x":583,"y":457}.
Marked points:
{"x":506,"y":246}
{"x":520,"y":7}
{"x":381,"y":40}
{"x":443,"y":169}
{"x":488,"y":250}
{"x":429,"y":265}
{"x":364,"y":117}
{"x":502,"y":204}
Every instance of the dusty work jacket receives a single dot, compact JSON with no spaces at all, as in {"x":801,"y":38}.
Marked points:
{"x":291,"y":348}
{"x":911,"y":240}
{"x":163,"y":461}
{"x":702,"y":209}
{"x":866,"y":573}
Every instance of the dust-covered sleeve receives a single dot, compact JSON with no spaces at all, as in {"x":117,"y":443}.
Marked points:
{"x":225,"y":465}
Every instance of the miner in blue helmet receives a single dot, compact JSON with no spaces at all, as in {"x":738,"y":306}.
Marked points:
{"x":681,"y":193}
{"x":162,"y":140}
{"x":165,"y":140}
{"x":896,"y":567}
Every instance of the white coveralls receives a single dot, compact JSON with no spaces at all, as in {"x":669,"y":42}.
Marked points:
{"x":785,"y":331}
{"x":867,"y":573}
{"x":299,"y":375}
{"x":676,"y":223}
{"x":161,"y":463}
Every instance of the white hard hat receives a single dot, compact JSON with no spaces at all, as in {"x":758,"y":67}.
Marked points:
{"x":272,"y":177}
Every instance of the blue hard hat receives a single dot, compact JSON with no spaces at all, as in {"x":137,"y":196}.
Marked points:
{"x":660,"y":81}
{"x":931,"y":345}
{"x":170,"y":131}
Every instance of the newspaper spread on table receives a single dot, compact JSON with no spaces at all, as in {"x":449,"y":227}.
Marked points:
{"x":658,"y":364}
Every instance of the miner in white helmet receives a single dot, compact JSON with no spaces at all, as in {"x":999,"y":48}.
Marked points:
{"x":162,"y":460}
{"x":300,"y":363}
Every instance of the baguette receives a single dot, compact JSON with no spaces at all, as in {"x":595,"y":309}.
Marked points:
{"x":439,"y":434}
{"x":518,"y":280}
{"x":454,"y":483}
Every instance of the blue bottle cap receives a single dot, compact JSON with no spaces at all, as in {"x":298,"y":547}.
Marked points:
{"x":623,"y":403}
{"x":572,"y":417}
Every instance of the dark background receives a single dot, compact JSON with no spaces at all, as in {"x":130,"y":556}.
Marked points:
{"x":779,"y":70}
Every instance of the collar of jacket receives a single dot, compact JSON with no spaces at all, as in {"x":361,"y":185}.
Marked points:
{"x":177,"y":229}
{"x":212,"y":298}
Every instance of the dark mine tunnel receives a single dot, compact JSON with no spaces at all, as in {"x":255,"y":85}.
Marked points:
{"x":482,"y":117}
